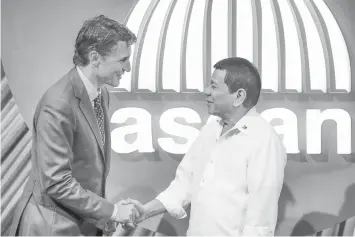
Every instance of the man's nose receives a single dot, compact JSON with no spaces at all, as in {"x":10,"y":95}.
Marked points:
{"x":127,"y":66}
{"x":207,"y":91}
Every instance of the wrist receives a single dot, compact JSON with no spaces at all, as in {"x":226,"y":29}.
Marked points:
{"x":114,"y":213}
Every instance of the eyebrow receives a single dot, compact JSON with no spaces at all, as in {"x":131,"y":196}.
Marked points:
{"x":124,"y":59}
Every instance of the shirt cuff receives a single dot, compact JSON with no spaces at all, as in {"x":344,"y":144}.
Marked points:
{"x":172,"y":206}
{"x":114,"y":214}
{"x":257,"y":231}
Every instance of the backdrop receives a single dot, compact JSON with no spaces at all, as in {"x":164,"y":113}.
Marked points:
{"x":303,"y":49}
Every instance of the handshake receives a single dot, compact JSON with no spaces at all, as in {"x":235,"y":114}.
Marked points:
{"x":129,"y":213}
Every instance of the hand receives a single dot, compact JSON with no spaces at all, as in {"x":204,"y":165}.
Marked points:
{"x":126,"y":213}
{"x":139,"y":207}
{"x":110,"y":228}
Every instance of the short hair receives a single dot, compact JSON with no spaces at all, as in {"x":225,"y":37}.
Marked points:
{"x":100,"y":34}
{"x":240,"y":73}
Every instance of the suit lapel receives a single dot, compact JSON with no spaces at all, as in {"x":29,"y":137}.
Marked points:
{"x":86,"y":107}
{"x":107,"y":147}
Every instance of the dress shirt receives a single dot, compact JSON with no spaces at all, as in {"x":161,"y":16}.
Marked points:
{"x":93,"y":92}
{"x":233,"y":181}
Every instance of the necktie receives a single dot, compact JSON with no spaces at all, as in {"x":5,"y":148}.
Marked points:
{"x":99,"y":116}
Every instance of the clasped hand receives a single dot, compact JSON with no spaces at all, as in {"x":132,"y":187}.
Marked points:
{"x":130,"y":212}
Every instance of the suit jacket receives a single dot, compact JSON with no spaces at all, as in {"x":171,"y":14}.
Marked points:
{"x":65,"y":192}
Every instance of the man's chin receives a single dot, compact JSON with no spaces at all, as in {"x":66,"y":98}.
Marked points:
{"x":210,"y":111}
{"x":213,"y":112}
{"x":113,"y":84}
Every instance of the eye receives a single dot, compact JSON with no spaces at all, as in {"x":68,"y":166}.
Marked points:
{"x":123,"y":60}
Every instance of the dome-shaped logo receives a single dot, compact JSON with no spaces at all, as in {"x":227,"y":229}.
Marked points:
{"x":296,"y":44}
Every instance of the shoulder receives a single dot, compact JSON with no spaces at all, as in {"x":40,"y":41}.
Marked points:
{"x":61,"y":90}
{"x":58,"y":97}
{"x":263,"y":132}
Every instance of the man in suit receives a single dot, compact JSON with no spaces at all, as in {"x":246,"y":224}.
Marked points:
{"x":65,"y":193}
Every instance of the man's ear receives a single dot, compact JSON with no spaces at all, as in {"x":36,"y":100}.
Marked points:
{"x":94,"y":58}
{"x":240,"y":96}
{"x":242,"y":93}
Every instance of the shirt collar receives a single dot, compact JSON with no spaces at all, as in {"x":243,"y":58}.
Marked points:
{"x":244,"y":124}
{"x":90,"y":88}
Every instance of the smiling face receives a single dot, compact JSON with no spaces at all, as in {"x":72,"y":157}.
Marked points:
{"x":111,"y":67}
{"x":219,"y":100}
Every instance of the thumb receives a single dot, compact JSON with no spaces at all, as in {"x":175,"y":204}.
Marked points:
{"x":138,"y":206}
{"x":126,"y":201}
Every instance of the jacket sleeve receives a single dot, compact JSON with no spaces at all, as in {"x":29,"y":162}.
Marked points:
{"x":54,"y":128}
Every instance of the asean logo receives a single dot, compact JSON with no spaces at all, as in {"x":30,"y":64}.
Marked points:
{"x":297,"y":46}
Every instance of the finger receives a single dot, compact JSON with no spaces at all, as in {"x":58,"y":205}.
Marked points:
{"x":125,"y":201}
{"x":114,"y":224}
{"x":111,"y":227}
{"x":129,"y":215}
{"x":139,"y":207}
{"x":130,"y":225}
{"x":127,"y":226}
{"x":131,"y":201}
{"x":132,"y":219}
{"x":111,"y":224}
{"x":135,"y":213}
{"x":109,"y":233}
{"x":124,"y":226}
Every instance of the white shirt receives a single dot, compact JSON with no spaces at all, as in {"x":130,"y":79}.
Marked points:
{"x":92,"y":91}
{"x":233,"y":181}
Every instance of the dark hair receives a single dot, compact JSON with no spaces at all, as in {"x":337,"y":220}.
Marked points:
{"x":240,"y":73}
{"x":100,"y":34}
